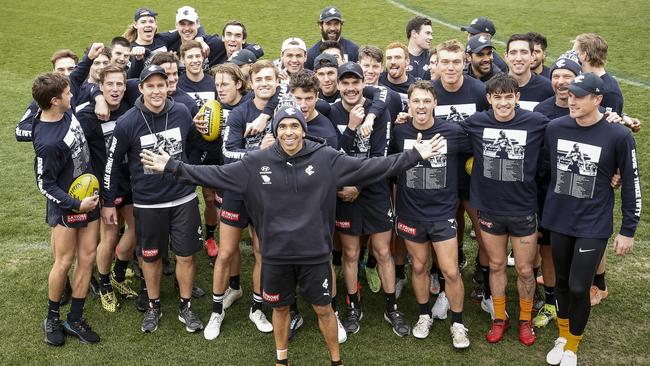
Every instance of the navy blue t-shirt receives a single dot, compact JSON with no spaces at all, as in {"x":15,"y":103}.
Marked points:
{"x":551,"y":110}
{"x":200,"y":91}
{"x":612,"y":95}
{"x":322,"y":127}
{"x":400,"y":89}
{"x":536,"y":90}
{"x":349,"y":49}
{"x":460,"y":104}
{"x":418,"y":65}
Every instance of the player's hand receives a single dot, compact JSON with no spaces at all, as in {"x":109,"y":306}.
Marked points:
{"x":428,"y":148}
{"x":205,"y":49}
{"x":402,"y":117}
{"x":366,"y":127}
{"x":267,"y":141}
{"x":95,"y":50}
{"x":283,"y":75}
{"x":200,"y":123}
{"x":138,"y":52}
{"x":623,"y":245}
{"x":102,"y":111}
{"x":348,"y":194}
{"x":356,"y":117}
{"x":153,"y":161}
{"x":109,"y":215}
{"x":258,"y":125}
{"x":632,"y":123}
{"x":616,"y":180}
{"x":612,"y":117}
{"x":89,"y":203}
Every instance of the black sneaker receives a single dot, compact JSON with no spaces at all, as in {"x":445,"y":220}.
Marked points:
{"x":191,"y":321}
{"x":54,"y":334}
{"x":397,"y":321}
{"x":93,"y":287}
{"x":296,"y":322}
{"x":477,"y":277}
{"x":143,"y":301}
{"x":67,"y":293}
{"x":211,"y":260}
{"x":351,"y":324}
{"x":462,"y":259}
{"x":150,"y":321}
{"x":477,"y":293}
{"x":80,"y":329}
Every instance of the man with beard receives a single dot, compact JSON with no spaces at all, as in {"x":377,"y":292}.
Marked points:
{"x":540,"y":43}
{"x":371,"y":59}
{"x":330,"y":23}
{"x":480,"y":58}
{"x":484,"y":26}
{"x":419,"y":35}
{"x":396,"y":77}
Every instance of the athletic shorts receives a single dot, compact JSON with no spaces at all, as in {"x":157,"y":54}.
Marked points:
{"x":72,"y":219}
{"x":279,"y":283}
{"x":543,"y":236}
{"x":233,"y":211}
{"x":362,"y":218}
{"x":157,"y":228}
{"x":517,"y":226}
{"x":424,"y":231}
{"x":122,"y":201}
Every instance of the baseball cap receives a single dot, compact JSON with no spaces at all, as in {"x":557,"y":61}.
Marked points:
{"x":585,"y":84}
{"x":566,"y":63}
{"x":293,"y":42}
{"x":144,"y":12}
{"x":243,"y":57}
{"x":186,"y":13}
{"x":478,"y":42}
{"x":325,"y":60}
{"x":350,"y":68}
{"x":152,"y":70}
{"x":479,"y":25}
{"x":288,"y":112}
{"x":330,"y":13}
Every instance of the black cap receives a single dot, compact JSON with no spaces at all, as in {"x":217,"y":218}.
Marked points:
{"x":243,"y":57}
{"x":585,"y":84}
{"x":152,"y":70}
{"x":144,"y":12}
{"x":480,"y":25}
{"x":330,"y":13}
{"x":478,"y":42}
{"x":325,"y":60}
{"x":350,"y":68}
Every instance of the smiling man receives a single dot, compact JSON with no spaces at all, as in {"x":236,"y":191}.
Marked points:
{"x":533,"y":88}
{"x":330,"y":23}
{"x":419,"y":35}
{"x":480,"y":58}
{"x":395,"y":76}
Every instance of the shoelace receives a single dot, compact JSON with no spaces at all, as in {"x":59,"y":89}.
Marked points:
{"x":53,"y":325}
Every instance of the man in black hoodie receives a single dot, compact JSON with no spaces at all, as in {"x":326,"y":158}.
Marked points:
{"x":291,"y":190}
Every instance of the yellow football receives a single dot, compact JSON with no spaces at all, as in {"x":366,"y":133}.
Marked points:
{"x":211,"y":112}
{"x":469,"y":164}
{"x":85,"y":185}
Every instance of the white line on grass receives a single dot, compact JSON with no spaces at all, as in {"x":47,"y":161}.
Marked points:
{"x":457,"y":27}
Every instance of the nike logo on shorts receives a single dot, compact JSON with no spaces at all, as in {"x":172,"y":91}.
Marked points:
{"x":585,"y":250}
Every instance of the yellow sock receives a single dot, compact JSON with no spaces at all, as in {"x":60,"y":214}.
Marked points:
{"x":563,"y":327}
{"x":525,"y":309}
{"x":499,"y":307}
{"x":573,"y":341}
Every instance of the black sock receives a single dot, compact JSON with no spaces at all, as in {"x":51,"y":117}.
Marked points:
{"x":337,"y":363}
{"x":257,"y":302}
{"x":354,"y":301}
{"x":334,"y":306}
{"x":456,"y":317}
{"x":391,"y":302}
{"x":599,"y":281}
{"x":399,"y":272}
{"x":425,"y":309}
{"x":185,"y":303}
{"x":294,"y":306}
{"x":217,"y":303}
{"x":336,"y":257}
{"x":105,"y":282}
{"x":282,"y":362}
{"x":233,"y":282}
{"x":53,"y":309}
{"x":120,"y":270}
{"x":487,"y":293}
{"x":76,"y":309}
{"x":441,"y":279}
{"x":371,"y":262}
{"x":209,"y":231}
{"x":154,"y":303}
{"x":535,"y":272}
{"x":434,"y":268}
{"x":549,"y":292}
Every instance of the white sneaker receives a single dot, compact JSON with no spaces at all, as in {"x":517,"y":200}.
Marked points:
{"x":400,"y":284}
{"x":434,"y":287}
{"x":213,"y":328}
{"x":488,"y":307}
{"x":569,"y":359}
{"x":441,"y":307}
{"x":511,"y":259}
{"x":342,"y":334}
{"x":260,"y":321}
{"x":554,"y":356}
{"x":230,"y":296}
{"x":459,"y":335}
{"x":422,"y":327}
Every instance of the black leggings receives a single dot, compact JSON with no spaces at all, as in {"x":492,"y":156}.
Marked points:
{"x":575,"y":261}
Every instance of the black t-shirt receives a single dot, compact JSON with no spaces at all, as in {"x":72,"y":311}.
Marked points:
{"x":464,"y":102}
{"x":400,"y":89}
{"x":419,"y":65}
{"x":612,"y":95}
{"x":537,"y":89}
{"x":200,"y":91}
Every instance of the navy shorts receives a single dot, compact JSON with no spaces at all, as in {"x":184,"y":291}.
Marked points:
{"x":279,"y":283}
{"x":518,"y":226}
{"x":425,"y":231}
{"x":233,"y":211}
{"x":362,"y":218}
{"x":70,"y":219}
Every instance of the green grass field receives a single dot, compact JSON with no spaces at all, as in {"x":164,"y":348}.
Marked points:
{"x":32,"y":30}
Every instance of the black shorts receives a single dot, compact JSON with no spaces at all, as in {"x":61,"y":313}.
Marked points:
{"x":463,"y":178}
{"x":73,"y":220}
{"x":233,"y":211}
{"x":361,"y":218}
{"x":544,"y":236}
{"x":517,"y":226}
{"x":279,"y":283}
{"x":424,"y":231}
{"x":123,"y":200}
{"x":154,"y":227}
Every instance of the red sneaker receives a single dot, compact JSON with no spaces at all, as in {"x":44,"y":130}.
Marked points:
{"x":211,"y":247}
{"x":497,"y":330}
{"x":526,"y":333}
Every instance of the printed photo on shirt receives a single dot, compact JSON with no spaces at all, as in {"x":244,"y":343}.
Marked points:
{"x":201,"y":97}
{"x":503,"y":154}
{"x":170,"y":140}
{"x":430,"y":174}
{"x":456,"y":112}
{"x":79,"y":151}
{"x":577,"y":167}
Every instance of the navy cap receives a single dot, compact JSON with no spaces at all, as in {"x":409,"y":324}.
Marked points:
{"x":478,"y":42}
{"x":243,"y":57}
{"x":325,"y":60}
{"x":566,"y":63}
{"x":585,"y":84}
{"x":350,"y":68}
{"x":330,"y":13}
{"x":144,"y":12}
{"x":152,"y":70}
{"x":288,"y":112}
{"x":480,"y":25}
